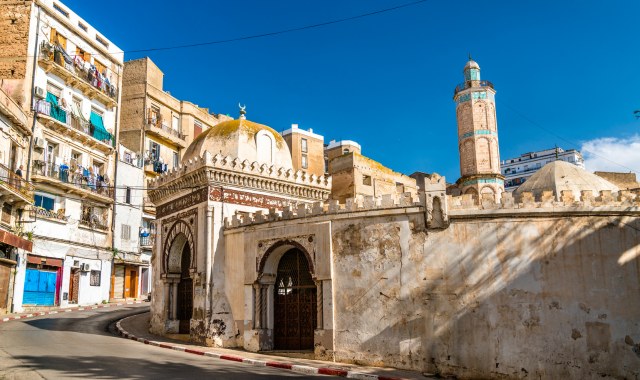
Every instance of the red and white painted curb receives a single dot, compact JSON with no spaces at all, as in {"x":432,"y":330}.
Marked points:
{"x":287,"y":366}
{"x":60,"y":311}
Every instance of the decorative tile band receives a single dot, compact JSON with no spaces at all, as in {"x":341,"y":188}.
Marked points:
{"x":479,"y":132}
{"x":483,"y":180}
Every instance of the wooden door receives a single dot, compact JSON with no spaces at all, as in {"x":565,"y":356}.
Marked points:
{"x":133,"y":283}
{"x":74,"y":285}
{"x":5,"y":275}
{"x":294,"y":303}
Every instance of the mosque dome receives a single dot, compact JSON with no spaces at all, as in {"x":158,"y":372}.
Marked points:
{"x":558,"y":176}
{"x":471,"y":64}
{"x":243,"y":139}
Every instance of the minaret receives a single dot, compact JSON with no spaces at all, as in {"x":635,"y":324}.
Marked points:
{"x":478,"y":136}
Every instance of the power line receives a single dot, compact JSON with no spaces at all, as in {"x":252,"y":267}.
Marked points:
{"x":267,"y":34}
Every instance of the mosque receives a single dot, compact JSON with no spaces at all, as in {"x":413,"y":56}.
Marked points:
{"x":456,"y":279}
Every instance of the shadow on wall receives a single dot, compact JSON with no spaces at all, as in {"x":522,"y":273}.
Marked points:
{"x":486,"y":298}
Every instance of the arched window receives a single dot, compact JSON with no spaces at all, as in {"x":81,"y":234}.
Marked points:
{"x":264,"y":147}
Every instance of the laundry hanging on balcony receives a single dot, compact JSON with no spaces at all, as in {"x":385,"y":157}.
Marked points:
{"x":82,"y":122}
{"x":56,"y":112}
{"x":99,"y":131}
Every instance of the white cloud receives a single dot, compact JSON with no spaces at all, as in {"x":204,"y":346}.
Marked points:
{"x":612,"y":154}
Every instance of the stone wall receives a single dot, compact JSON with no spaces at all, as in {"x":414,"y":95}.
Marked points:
{"x":526,"y":288}
{"x":14,"y":38}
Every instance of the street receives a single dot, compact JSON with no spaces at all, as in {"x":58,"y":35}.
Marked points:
{"x":83,"y":345}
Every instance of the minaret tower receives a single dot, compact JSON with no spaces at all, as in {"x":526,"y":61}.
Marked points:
{"x":478,"y":136}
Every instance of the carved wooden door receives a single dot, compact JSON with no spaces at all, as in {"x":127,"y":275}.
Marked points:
{"x":294,"y":303}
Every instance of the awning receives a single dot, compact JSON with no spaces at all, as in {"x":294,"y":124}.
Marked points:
{"x":15,"y":241}
{"x":128,"y":262}
{"x":31,"y":259}
{"x":99,"y":132}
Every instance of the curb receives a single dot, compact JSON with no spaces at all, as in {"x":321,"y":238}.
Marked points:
{"x":308,"y":370}
{"x":60,"y":311}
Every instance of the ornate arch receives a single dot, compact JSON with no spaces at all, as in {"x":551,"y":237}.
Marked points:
{"x":179,"y":229}
{"x":278,"y":247}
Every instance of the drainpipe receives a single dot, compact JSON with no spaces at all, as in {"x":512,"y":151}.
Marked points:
{"x":115,"y":179}
{"x":33,"y":83}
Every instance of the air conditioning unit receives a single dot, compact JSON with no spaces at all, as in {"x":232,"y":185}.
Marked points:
{"x":38,"y":143}
{"x":39,"y":92}
{"x":84,"y":267}
{"x":76,"y":264}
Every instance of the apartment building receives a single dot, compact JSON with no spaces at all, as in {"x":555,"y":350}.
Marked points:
{"x":517,"y":170}
{"x":157,"y":127}
{"x":307,"y":149}
{"x":16,"y":196}
{"x":71,"y":82}
{"x":131,"y":273}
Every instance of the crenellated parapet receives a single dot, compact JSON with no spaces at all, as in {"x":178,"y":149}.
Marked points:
{"x":604,"y":200}
{"x":231,"y":171}
{"x":327,"y":208}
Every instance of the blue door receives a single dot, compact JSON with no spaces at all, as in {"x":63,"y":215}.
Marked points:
{"x":39,"y":288}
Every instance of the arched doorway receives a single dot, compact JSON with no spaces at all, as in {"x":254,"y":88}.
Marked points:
{"x":295,"y":312}
{"x":185,"y":292}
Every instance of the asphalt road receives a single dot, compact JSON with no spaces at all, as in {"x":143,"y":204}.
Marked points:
{"x":82,"y":345}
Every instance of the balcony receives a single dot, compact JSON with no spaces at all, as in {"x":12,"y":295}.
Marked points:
{"x":68,"y":124}
{"x":13,"y":187}
{"x":148,"y":206}
{"x":58,"y":216}
{"x":80,"y":182}
{"x":154,"y":167}
{"x":165,"y":132}
{"x":147,"y":241}
{"x":78,"y":74}
{"x":13,"y":112}
{"x":94,"y":221}
{"x":472,"y":83}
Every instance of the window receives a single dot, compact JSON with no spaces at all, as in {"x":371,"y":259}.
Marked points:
{"x":61,"y":10}
{"x":303,"y":145}
{"x":98,"y":167}
{"x":176,"y":159}
{"x":399,"y":188}
{"x":175,"y":123}
{"x":197,"y":128}
{"x":102,"y":41}
{"x":82,"y":26}
{"x":54,"y":90}
{"x":83,"y":54}
{"x":57,"y":38}
{"x":126,"y":232}
{"x":127,"y":158}
{"x":77,"y":103}
{"x":345,"y":151}
{"x":100,"y":67}
{"x":127,"y":195}
{"x":95,"y":278}
{"x":45,"y":202}
{"x":154,"y":150}
{"x":76,"y":159}
{"x":304,"y":161}
{"x":366,"y":180}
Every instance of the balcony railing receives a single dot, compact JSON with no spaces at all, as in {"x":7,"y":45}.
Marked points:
{"x":79,"y":178}
{"x":156,"y":123}
{"x":44,"y":213}
{"x":79,"y":68}
{"x":94,"y":221}
{"x":156,"y":165}
{"x":147,"y":241}
{"x":15,"y":182}
{"x":72,"y":121}
{"x":472,"y":83}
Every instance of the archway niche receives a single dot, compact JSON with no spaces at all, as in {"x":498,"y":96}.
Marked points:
{"x":287,"y":308}
{"x":178,"y":283}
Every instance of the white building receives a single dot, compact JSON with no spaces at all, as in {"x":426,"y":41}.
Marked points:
{"x":75,"y":92}
{"x":517,"y":170}
{"x":132,"y":273}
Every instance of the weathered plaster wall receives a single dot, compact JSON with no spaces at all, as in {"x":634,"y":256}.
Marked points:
{"x":553,"y":297}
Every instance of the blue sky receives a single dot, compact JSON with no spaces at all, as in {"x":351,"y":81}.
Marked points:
{"x":386,"y":81}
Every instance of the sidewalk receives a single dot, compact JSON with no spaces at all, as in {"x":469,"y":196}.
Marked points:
{"x":57,"y":310}
{"x":136,"y":328}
